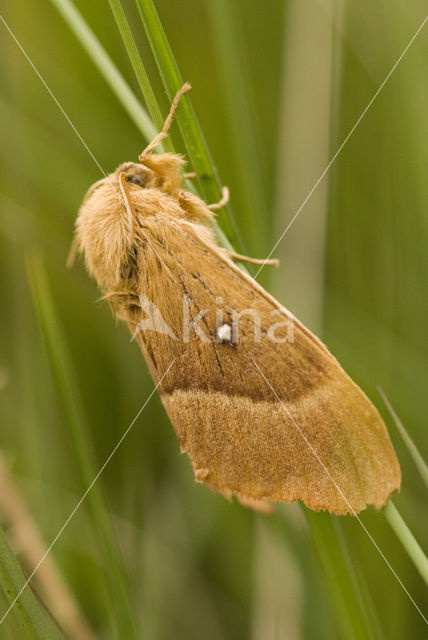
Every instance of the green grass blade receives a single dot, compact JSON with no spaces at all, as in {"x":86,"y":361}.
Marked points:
{"x":30,"y":618}
{"x":139,"y":69}
{"x":197,"y":149}
{"x":407,"y":539}
{"x":106,"y":66}
{"x":392,"y":514}
{"x":147,"y":90}
{"x":413,"y":450}
{"x":348,"y":602}
{"x":242,"y":130}
{"x":76,"y":422}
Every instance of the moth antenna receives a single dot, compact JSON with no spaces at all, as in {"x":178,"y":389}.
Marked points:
{"x":128,"y":205}
{"x":162,"y":134}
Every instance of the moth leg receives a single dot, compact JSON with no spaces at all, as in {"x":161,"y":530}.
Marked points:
{"x":193,"y":206}
{"x":190,"y":175}
{"x":221,"y":203}
{"x":170,"y":117}
{"x":237,"y":256}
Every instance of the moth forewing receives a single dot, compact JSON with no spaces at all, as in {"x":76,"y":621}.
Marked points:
{"x":266,"y":415}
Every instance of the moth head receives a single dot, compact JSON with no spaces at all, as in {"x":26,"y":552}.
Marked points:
{"x":107,"y":222}
{"x":136,"y":176}
{"x":161,"y":171}
{"x":166,"y":169}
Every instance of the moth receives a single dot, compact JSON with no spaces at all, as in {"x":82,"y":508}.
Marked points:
{"x":267,"y":415}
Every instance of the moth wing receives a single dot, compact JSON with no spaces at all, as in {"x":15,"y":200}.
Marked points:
{"x":264,"y":419}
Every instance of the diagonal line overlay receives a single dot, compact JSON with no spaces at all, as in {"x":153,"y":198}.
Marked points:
{"x":323,"y":174}
{"x":84,"y":496}
{"x":340,"y":491}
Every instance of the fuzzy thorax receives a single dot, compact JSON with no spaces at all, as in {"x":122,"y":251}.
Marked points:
{"x":104,"y":230}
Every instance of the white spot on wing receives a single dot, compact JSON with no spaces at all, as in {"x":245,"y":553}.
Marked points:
{"x":224,"y":333}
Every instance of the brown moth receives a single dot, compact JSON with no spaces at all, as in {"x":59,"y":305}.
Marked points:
{"x":262,"y":416}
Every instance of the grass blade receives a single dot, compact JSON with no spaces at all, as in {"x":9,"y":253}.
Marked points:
{"x":76,"y":422}
{"x":29,"y":616}
{"x":348,"y":601}
{"x":106,"y":66}
{"x":28,"y":539}
{"x":305,"y":121}
{"x":392,"y":514}
{"x":407,"y":539}
{"x":197,"y":149}
{"x":413,"y":450}
{"x":147,"y":91}
{"x":139,"y":69}
{"x":242,"y":129}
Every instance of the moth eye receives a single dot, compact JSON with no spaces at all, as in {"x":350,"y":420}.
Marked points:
{"x":138,"y":179}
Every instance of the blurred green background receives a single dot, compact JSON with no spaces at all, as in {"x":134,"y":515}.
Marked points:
{"x":277,"y":86}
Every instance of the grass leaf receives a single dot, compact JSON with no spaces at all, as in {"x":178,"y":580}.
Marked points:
{"x":198,"y":153}
{"x":139,"y":69}
{"x":413,"y":450}
{"x":106,"y":66}
{"x":407,"y":539}
{"x":76,"y":422}
{"x":31,"y":620}
{"x":351,"y":613}
{"x":243,"y":141}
